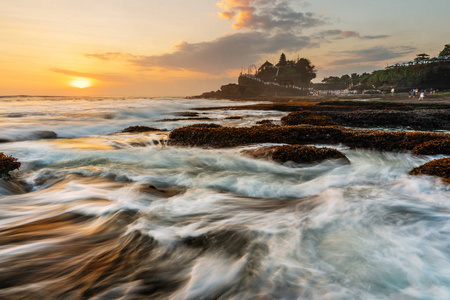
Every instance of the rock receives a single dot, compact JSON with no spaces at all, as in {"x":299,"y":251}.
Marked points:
{"x":44,"y":134}
{"x":433,"y":148}
{"x":186,"y":114}
{"x":184,"y":119}
{"x":437,"y":167}
{"x":137,"y":129}
{"x":297,"y":153}
{"x":307,"y":117}
{"x":7,"y":164}
{"x":265,"y":122}
{"x":306,"y":154}
{"x":207,"y":135}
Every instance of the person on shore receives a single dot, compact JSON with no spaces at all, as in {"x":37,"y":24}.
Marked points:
{"x":392,"y":91}
{"x":422,"y":95}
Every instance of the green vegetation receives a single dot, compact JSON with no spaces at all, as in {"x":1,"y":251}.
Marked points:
{"x":288,"y":72}
{"x":445,"y":51}
{"x":422,"y":72}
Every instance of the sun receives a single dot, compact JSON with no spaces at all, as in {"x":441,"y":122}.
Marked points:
{"x":81,"y":83}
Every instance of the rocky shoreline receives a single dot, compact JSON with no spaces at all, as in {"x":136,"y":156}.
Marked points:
{"x":319,"y":121}
{"x":363,"y":113}
{"x":306,"y":127}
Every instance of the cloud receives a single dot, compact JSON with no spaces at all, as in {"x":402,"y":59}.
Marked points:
{"x":104,"y":77}
{"x":215,"y":57}
{"x":267,"y":15}
{"x":111,"y":56}
{"x":338,"y":34}
{"x":372,"y":55}
{"x":372,"y":37}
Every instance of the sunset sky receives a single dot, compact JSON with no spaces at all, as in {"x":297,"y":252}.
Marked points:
{"x":186,"y":47}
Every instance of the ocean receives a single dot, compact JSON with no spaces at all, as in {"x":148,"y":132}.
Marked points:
{"x":100,"y":214}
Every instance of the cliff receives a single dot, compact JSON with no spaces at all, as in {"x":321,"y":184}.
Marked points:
{"x":249,"y":86}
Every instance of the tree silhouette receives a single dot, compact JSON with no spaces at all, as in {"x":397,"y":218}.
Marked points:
{"x":422,"y":56}
{"x":445,"y":51}
{"x":305,"y":71}
{"x":282,"y":62}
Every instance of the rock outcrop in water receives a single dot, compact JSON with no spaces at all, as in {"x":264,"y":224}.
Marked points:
{"x":437,"y":167}
{"x":307,"y":117}
{"x":433,"y":147}
{"x":212,"y":135}
{"x":138,"y":129}
{"x":7,"y":164}
{"x":297,"y":153}
{"x":412,"y":115}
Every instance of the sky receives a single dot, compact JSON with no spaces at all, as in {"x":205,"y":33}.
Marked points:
{"x":186,"y":47}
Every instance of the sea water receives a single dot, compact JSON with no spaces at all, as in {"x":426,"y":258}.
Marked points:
{"x":101,"y":214}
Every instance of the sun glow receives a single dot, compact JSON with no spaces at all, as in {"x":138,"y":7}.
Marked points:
{"x":81,"y":83}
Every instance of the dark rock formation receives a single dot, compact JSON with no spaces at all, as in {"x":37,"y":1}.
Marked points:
{"x":297,"y":153}
{"x":137,"y":129}
{"x":437,"y":167}
{"x":186,"y":114}
{"x":44,"y":134}
{"x":7,"y":164}
{"x":307,"y":117}
{"x":265,"y":122}
{"x":433,"y":148}
{"x":184,"y":119}
{"x":417,"y":119}
{"x":213,"y":136}
{"x":414,"y":115}
{"x":248,"y":87}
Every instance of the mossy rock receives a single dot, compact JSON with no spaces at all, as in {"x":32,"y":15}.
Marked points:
{"x":297,"y":153}
{"x":137,"y":129}
{"x":265,"y":122}
{"x":433,"y":148}
{"x":207,"y":135}
{"x":307,"y":117}
{"x":7,"y":164}
{"x":437,"y":167}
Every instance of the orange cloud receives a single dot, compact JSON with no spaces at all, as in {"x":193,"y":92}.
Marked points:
{"x":266,"y":15}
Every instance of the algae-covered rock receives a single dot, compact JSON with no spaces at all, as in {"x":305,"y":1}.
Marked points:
{"x":297,"y":153}
{"x":306,"y":154}
{"x":212,"y":135}
{"x":433,"y":147}
{"x":307,"y":117}
{"x":7,"y":164}
{"x":437,"y":167}
{"x":138,"y":129}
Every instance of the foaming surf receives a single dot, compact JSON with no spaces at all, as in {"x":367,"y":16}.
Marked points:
{"x":107,"y":215}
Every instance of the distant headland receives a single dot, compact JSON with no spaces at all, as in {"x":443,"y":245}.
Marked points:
{"x":293,"y":78}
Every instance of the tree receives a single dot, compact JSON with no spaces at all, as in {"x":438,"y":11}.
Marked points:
{"x":422,"y":56}
{"x":305,"y":71}
{"x":331,"y":79}
{"x":445,"y":51}
{"x":282,"y":61}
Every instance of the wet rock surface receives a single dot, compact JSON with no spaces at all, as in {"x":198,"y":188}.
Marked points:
{"x":211,"y":135}
{"x":370,"y":113}
{"x":437,"y":167}
{"x":7,"y":164}
{"x":433,"y":148}
{"x":297,"y":153}
{"x":307,"y":117}
{"x":41,"y":135}
{"x":138,"y":129}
